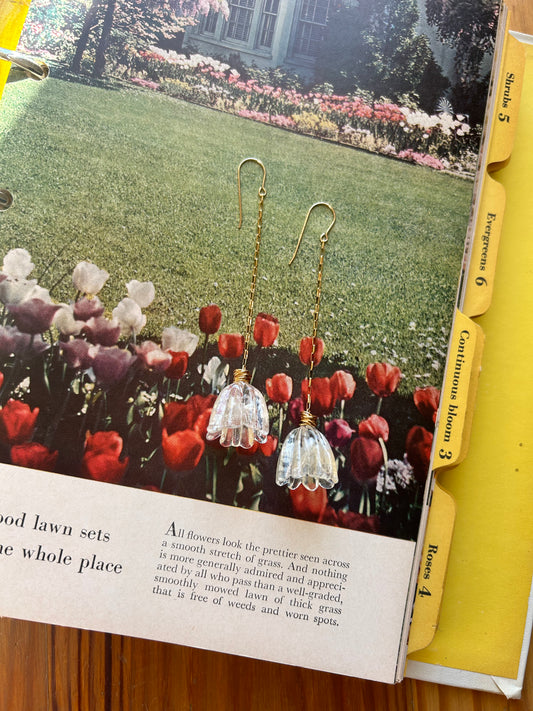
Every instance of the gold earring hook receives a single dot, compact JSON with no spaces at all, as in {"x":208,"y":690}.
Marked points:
{"x":307,"y":418}
{"x":324,"y":236}
{"x":262,"y":191}
{"x":242,"y":373}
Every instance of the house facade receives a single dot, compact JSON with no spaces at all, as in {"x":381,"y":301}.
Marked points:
{"x":267,"y":33}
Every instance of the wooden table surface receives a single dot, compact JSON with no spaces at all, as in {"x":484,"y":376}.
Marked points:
{"x":47,"y":668}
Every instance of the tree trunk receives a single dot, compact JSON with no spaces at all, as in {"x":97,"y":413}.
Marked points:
{"x":99,"y":61}
{"x":87,"y":28}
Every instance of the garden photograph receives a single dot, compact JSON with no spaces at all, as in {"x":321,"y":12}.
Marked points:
{"x":125,"y":278}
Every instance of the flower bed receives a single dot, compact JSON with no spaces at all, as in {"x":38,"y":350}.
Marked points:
{"x":438,"y":141}
{"x":81,"y":395}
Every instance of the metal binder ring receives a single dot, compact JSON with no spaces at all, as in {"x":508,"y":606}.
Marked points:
{"x":6,"y":199}
{"x":34,"y":69}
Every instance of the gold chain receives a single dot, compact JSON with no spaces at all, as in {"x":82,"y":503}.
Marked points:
{"x":323,"y":240}
{"x":262,"y":194}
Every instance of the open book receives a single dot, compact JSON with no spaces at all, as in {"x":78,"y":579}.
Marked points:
{"x":125,"y":292}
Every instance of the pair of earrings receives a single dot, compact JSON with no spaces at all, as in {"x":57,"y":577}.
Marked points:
{"x":240,"y":413}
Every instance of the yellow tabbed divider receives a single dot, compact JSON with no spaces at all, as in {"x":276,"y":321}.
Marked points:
{"x":490,"y":208}
{"x":487,"y":582}
{"x":450,"y":447}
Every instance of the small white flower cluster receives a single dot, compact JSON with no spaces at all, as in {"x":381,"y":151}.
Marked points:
{"x":192,"y":62}
{"x":400,"y":476}
{"x":444,"y":122}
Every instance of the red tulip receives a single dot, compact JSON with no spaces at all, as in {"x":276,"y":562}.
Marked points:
{"x":17,"y":422}
{"x":179,"y":416}
{"x":374,"y":427}
{"x":418,"y":449}
{"x":231,"y":345}
{"x":197,"y":404}
{"x":343,"y":385}
{"x":33,"y":316}
{"x":101,"y":458}
{"x":295,"y":409}
{"x":266,"y":329}
{"x":34,"y":456}
{"x":427,"y":401}
{"x":329,"y":517}
{"x":322,"y":399}
{"x":338,"y":433}
{"x":175,"y":417}
{"x":267,"y":448}
{"x":1,"y":379}
{"x":202,"y":421}
{"x":182,"y":450}
{"x":178,"y":367}
{"x":366,"y":457}
{"x":358,"y":522}
{"x":308,"y":505}
{"x":383,"y":378}
{"x":210,"y":319}
{"x":279,"y":387}
{"x":306,"y":347}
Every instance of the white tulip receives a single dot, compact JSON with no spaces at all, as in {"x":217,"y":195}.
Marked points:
{"x":130,"y":317}
{"x":65,"y":322}
{"x":142,"y":292}
{"x":13,"y":291}
{"x":177,"y":339}
{"x":88,"y":278}
{"x":17,"y":263}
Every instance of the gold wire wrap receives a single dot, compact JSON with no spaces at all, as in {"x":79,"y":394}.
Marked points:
{"x":306,"y":418}
{"x":261,"y":195}
{"x":241,"y":375}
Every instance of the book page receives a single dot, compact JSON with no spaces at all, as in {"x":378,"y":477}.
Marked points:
{"x":135,"y":292}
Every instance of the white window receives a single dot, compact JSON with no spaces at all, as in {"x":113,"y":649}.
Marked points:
{"x":268,"y":22}
{"x":240,"y":19}
{"x":310,"y":27}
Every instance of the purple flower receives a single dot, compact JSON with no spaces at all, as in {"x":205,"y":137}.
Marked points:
{"x":12,"y":341}
{"x":338,"y":433}
{"x":85,"y":308}
{"x":33,"y":316}
{"x":153,"y":357}
{"x":102,"y":331}
{"x":110,"y":365}
{"x":8,"y":335}
{"x":76,"y":354}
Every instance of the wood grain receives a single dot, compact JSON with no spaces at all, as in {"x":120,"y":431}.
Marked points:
{"x":48,"y":668}
{"x":522,"y":15}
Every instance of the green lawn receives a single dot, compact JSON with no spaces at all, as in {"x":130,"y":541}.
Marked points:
{"x":144,"y":186}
